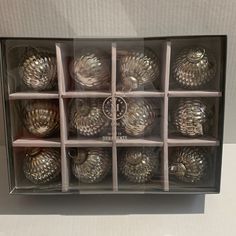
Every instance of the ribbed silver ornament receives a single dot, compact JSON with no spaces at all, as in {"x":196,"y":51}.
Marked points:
{"x":190,"y":164}
{"x":90,"y":68}
{"x":90,"y":165}
{"x":139,"y":165}
{"x":41,"y":117}
{"x":87,"y":118}
{"x":140,"y":117}
{"x":42,"y":165}
{"x":194,"y":67}
{"x":139,"y":67}
{"x":38,"y":70}
{"x":192,"y":117}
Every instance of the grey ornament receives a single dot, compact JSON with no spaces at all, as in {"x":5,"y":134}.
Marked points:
{"x":87,"y":118}
{"x":194,"y":67}
{"x":190,"y":164}
{"x":41,"y":117}
{"x":91,"y":69}
{"x":140,"y":117}
{"x":90,"y":165}
{"x":38,"y":70}
{"x":139,"y":165}
{"x":42,"y":165}
{"x":192,"y":117}
{"x":139,"y":67}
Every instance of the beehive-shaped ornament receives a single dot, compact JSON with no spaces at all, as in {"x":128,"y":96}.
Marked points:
{"x":139,"y":67}
{"x":87,"y":118}
{"x":140,"y":117}
{"x":90,"y":165}
{"x":38,"y":69}
{"x":41,"y":117}
{"x":190,"y":164}
{"x":42,"y":165}
{"x":192,"y":117}
{"x":139,"y":165}
{"x":194,"y":67}
{"x":90,"y":69}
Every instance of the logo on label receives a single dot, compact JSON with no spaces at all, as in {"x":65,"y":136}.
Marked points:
{"x":121,"y":107}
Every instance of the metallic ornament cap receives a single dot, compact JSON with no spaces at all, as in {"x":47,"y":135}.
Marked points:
{"x":177,"y":169}
{"x":196,"y":54}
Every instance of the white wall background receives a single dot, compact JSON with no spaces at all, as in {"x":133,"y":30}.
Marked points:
{"x":124,"y":215}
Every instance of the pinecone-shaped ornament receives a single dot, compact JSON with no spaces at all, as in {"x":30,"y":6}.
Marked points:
{"x":87,"y":117}
{"x":139,"y":67}
{"x":38,"y":69}
{"x":139,"y":165}
{"x":41,"y":117}
{"x":194,"y":67}
{"x":190,"y":164}
{"x":42,"y":165}
{"x":90,"y":68}
{"x":90,"y":165}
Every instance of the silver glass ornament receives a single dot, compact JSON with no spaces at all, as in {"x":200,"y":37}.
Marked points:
{"x":190,"y":164}
{"x":139,"y":67}
{"x":38,"y":70}
{"x":192,"y":117}
{"x":140,"y":116}
{"x":86,"y":117}
{"x":90,"y":165}
{"x":41,"y":117}
{"x":194,"y":67}
{"x":42,"y":165}
{"x":139,"y":165}
{"x":90,"y":68}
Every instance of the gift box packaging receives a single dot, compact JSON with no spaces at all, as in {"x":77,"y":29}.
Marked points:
{"x":114,"y":116}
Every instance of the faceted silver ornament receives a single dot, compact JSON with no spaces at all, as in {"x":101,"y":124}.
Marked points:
{"x":192,"y":117}
{"x":190,"y":164}
{"x":87,"y":118}
{"x":90,"y":68}
{"x":42,"y":165}
{"x":139,"y":165}
{"x":194,"y":67}
{"x":38,"y":70}
{"x":90,"y":165}
{"x":139,"y":67}
{"x":140,"y":117}
{"x":41,"y":117}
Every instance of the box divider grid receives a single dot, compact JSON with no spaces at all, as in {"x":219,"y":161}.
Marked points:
{"x":165,"y":115}
{"x":63,"y":122}
{"x":114,"y":124}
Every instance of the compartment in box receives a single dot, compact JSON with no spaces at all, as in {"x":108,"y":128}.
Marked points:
{"x":140,"y":169}
{"x":90,"y":169}
{"x":197,"y":63}
{"x":140,"y":65}
{"x":194,"y":168}
{"x":37,"y":168}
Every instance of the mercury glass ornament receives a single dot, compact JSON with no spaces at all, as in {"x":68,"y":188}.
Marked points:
{"x":41,"y":117}
{"x":38,"y":70}
{"x":139,"y":67}
{"x":192,"y":117}
{"x":87,"y":118}
{"x":90,"y":165}
{"x":190,"y":164}
{"x":140,"y":117}
{"x":139,"y":165}
{"x":90,"y":68}
{"x":194,"y":67}
{"x":42,"y":165}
